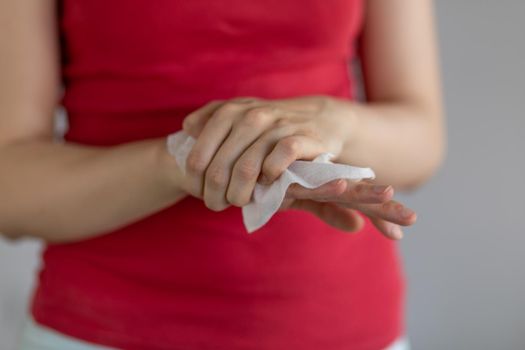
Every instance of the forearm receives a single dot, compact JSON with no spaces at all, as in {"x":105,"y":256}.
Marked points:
{"x":66,"y":192}
{"x":404,"y":144}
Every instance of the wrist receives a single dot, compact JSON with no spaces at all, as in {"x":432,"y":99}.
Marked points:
{"x":170,"y":175}
{"x":348,"y":127}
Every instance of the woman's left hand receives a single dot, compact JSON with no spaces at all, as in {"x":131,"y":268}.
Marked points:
{"x":243,"y":140}
{"x":340,"y":203}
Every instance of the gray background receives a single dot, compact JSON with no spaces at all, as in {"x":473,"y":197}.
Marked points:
{"x":464,"y":258}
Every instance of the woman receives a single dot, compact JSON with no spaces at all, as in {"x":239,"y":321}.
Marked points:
{"x":140,"y":256}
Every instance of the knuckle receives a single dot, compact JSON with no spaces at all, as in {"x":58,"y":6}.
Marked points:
{"x":388,"y":207}
{"x":230,"y":106}
{"x":237,"y":199}
{"x":256,"y":117}
{"x":359,"y":191}
{"x":272,"y":170}
{"x":246,"y":170}
{"x":195,"y":163}
{"x":188,"y":121}
{"x":359,"y":188}
{"x":225,"y":111}
{"x":216,"y":177}
{"x":290,"y":146}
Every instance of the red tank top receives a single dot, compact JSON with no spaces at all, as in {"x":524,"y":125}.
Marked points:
{"x":188,"y":277}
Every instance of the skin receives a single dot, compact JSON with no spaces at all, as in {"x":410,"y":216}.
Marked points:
{"x":59,"y":186}
{"x":245,"y":140}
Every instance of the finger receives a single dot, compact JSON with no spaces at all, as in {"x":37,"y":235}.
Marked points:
{"x":389,"y":229}
{"x":245,"y":131}
{"x":322,"y":193}
{"x":339,"y":217}
{"x":286,"y":151}
{"x":248,"y":167}
{"x":211,"y":137}
{"x":194,"y":122}
{"x":362,"y":192}
{"x":391,"y":211}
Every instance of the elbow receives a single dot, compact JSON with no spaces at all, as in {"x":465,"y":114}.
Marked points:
{"x":431,"y":153}
{"x":9,"y":230}
{"x":10,"y":235}
{"x":13,"y":236}
{"x":431,"y":162}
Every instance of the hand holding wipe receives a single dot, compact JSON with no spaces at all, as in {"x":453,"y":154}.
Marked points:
{"x":267,"y":199}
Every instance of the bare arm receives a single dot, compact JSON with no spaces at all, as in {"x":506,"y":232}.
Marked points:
{"x":399,"y":132}
{"x":63,"y":192}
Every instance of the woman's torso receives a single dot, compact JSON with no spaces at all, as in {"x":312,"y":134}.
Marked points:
{"x":187,"y":277}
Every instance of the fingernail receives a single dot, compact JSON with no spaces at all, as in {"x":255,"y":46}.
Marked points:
{"x":396,"y":232}
{"x":379,"y":189}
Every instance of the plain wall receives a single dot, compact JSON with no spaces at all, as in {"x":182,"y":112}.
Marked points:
{"x":465,"y":257}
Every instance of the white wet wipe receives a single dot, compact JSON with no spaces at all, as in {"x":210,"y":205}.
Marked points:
{"x":267,"y":199}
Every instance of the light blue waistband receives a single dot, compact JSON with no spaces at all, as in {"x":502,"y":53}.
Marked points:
{"x":37,"y":337}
